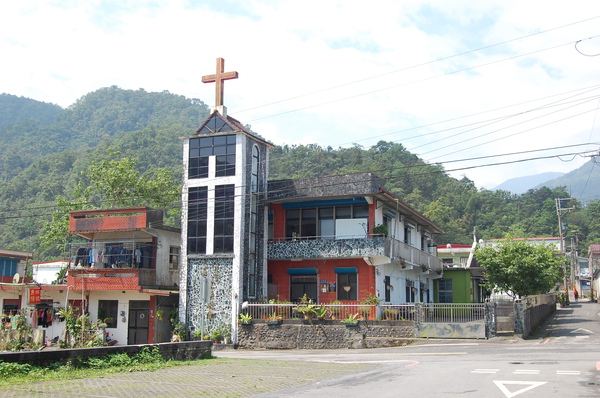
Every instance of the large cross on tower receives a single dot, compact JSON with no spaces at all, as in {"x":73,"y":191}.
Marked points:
{"x":219,"y":78}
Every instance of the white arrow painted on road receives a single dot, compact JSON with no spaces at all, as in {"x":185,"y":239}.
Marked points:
{"x":582,"y":330}
{"x":530,"y":386}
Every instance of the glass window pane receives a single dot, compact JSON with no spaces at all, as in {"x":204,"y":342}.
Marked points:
{"x":326,"y":213}
{"x":361,"y":211}
{"x":343,"y":212}
{"x":206,"y":142}
{"x":220,"y":150}
{"x":220,"y":140}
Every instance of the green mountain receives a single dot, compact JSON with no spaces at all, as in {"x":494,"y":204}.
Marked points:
{"x":581,"y":183}
{"x":46,"y":151}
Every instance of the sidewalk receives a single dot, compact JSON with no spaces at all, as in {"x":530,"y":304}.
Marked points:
{"x":219,"y":377}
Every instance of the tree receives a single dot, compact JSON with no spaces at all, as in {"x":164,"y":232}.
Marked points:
{"x":520,"y":268}
{"x":116,"y":182}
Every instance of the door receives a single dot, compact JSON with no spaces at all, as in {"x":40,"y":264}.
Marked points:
{"x":138,"y":326}
{"x":505,"y":316}
{"x":303,"y":284}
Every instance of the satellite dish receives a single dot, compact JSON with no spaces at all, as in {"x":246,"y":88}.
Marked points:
{"x":16,"y":278}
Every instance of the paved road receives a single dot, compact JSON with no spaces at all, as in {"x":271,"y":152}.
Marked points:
{"x":561,"y":360}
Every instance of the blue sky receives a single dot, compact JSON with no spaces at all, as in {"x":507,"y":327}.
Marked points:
{"x":450,"y":80}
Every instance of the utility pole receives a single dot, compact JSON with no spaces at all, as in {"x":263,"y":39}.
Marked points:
{"x":561,"y":227}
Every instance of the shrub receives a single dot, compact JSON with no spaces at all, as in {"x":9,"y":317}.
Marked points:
{"x":12,"y":368}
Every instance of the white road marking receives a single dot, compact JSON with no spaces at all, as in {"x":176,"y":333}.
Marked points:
{"x":530,"y":386}
{"x":485,"y":371}
{"x":526,"y":372}
{"x":582,"y":330}
{"x":568,"y":372}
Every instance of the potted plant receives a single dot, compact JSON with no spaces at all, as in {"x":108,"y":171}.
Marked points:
{"x":336,"y":309}
{"x":245,"y":319}
{"x":216,"y":335}
{"x":369,"y":301}
{"x":352,"y":320}
{"x":226,"y":330}
{"x":321,"y":312}
{"x":198,"y":334}
{"x":380,"y":230}
{"x":273,"y":319}
{"x":306,"y":307}
{"x":391,"y":314}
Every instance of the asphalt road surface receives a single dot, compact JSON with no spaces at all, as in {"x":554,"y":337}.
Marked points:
{"x":562,"y":360}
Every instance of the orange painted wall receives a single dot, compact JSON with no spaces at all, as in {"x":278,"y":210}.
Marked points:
{"x":278,"y":221}
{"x":325,"y":271}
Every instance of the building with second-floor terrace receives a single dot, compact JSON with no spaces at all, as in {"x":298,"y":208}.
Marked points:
{"x":344,"y":238}
{"x":126,"y":272}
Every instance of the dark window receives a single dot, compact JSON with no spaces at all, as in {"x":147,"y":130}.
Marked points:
{"x":301,"y":285}
{"x":388,"y":288}
{"x":445,"y":290}
{"x":197,"y":215}
{"x":203,"y":147}
{"x":320,"y":221}
{"x":347,"y":287}
{"x":224,"y":218}
{"x":174,"y":257}
{"x":108,"y":312}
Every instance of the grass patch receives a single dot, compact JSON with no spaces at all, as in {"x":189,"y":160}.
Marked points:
{"x":147,"y":360}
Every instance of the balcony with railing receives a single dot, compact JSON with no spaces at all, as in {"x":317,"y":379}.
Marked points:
{"x":384,"y":249}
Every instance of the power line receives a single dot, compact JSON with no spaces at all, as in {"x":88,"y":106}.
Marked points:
{"x":418,"y":65}
{"x":178,"y":203}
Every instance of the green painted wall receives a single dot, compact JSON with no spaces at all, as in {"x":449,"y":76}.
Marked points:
{"x":461,"y":285}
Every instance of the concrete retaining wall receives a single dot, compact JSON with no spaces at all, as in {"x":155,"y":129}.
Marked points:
{"x":327,"y":334}
{"x":177,"y":351}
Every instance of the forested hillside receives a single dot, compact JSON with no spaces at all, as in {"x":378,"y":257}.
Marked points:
{"x":46,"y":150}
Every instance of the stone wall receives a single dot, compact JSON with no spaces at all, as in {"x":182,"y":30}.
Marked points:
{"x":297,"y":334}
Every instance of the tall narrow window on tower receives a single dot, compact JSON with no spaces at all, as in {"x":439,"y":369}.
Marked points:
{"x":197,"y":215}
{"x":202,"y":148}
{"x":253,"y":222}
{"x":224,"y":218}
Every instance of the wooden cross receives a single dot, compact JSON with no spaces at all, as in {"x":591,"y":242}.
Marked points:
{"x":219,"y":78}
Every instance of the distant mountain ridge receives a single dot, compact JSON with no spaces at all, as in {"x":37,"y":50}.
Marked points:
{"x":520,"y":185}
{"x":583,"y":183}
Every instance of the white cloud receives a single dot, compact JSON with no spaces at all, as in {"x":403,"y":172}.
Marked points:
{"x":351,"y":72}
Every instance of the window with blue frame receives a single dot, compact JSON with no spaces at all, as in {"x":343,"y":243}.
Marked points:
{"x":8,"y":266}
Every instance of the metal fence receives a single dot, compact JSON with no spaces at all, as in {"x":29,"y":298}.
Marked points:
{"x":333,"y":311}
{"x":452,"y":313}
{"x":426,"y":312}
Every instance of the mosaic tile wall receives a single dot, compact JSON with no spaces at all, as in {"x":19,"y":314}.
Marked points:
{"x":324,"y":248}
{"x":217,"y":312}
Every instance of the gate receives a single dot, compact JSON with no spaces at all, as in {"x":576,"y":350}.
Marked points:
{"x":463,"y":321}
{"x":505,"y":316}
